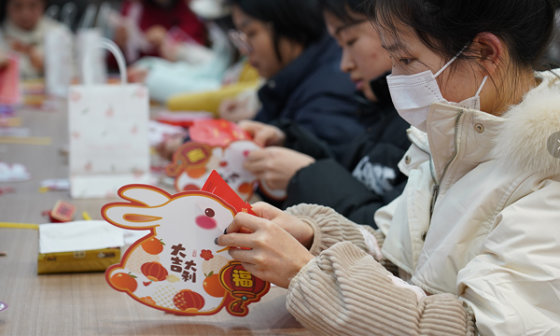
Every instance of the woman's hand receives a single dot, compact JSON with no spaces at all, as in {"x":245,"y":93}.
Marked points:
{"x":20,"y":47}
{"x":120,"y":35}
{"x":237,"y":109}
{"x":275,"y":166}
{"x":270,"y":246}
{"x":263,"y":135}
{"x":169,"y":146}
{"x":36,"y":59}
{"x":136,"y":74}
{"x":155,"y":35}
{"x":300,"y":230}
{"x":35,"y":56}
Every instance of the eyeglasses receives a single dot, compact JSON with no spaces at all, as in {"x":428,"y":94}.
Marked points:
{"x":240,"y":41}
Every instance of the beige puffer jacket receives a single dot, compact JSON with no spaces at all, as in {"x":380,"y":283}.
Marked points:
{"x":477,"y":228}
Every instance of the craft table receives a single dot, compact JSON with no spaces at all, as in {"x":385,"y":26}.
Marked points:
{"x":83,"y":303}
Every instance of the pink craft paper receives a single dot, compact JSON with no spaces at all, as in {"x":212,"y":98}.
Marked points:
{"x":10,"y":93}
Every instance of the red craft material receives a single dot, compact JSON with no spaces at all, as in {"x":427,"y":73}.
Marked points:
{"x":62,"y":212}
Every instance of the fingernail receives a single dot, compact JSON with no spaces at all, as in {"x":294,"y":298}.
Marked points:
{"x":225,"y":231}
{"x":216,"y":240}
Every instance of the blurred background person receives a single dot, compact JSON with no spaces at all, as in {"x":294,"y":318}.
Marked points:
{"x":148,"y":23}
{"x":23,"y":28}
{"x":287,"y":42}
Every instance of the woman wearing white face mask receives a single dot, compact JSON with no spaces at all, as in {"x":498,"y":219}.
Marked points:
{"x":474,"y":236}
{"x":414,"y":94}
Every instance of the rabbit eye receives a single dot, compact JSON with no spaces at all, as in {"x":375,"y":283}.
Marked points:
{"x":209,"y":212}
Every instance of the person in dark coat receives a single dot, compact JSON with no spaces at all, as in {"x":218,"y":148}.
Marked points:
{"x":286,"y":41}
{"x":366,"y":175}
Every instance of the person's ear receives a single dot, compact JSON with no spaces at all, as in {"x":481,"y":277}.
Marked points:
{"x":491,"y":50}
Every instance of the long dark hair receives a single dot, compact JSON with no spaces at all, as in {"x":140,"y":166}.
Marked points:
{"x":171,"y":4}
{"x":345,"y":10}
{"x":446,"y":27}
{"x":3,"y":9}
{"x":298,"y":20}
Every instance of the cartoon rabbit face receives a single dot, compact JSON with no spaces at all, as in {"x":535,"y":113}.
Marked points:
{"x":171,"y":267}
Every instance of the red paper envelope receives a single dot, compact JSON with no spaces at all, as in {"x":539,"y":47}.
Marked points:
{"x":217,"y":132}
{"x":177,"y":267}
{"x":217,"y":186}
{"x":184,"y":119}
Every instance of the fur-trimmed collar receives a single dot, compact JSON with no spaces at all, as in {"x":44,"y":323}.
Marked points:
{"x":529,"y":126}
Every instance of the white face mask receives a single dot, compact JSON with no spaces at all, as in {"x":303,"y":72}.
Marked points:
{"x":413,"y":95}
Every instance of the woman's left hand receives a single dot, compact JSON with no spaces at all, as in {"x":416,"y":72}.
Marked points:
{"x":156,"y":35}
{"x":275,"y":166}
{"x":264,"y":248}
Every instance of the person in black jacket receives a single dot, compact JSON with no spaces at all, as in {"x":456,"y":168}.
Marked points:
{"x":366,"y":176}
{"x":286,"y":41}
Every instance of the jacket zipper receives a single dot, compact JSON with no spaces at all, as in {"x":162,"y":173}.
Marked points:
{"x":436,"y":187}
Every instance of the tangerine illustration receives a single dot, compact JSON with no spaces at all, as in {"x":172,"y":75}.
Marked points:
{"x":148,"y":300}
{"x":187,"y":300}
{"x":153,"y":245}
{"x":245,"y":188}
{"x":124,"y":282}
{"x":212,"y":285}
{"x":154,"y":271}
{"x":195,"y":172}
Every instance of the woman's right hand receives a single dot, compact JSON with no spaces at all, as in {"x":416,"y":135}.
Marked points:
{"x":265,"y":244}
{"x":263,"y":135}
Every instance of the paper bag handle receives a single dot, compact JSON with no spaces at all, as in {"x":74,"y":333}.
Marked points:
{"x":112,"y":47}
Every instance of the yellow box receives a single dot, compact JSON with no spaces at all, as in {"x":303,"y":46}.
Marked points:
{"x":79,"y":246}
{"x":78,"y":261}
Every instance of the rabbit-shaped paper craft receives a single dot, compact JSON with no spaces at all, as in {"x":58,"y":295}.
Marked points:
{"x":193,"y":162}
{"x":177,"y":267}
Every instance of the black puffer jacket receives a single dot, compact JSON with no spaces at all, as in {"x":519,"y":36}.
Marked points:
{"x":315,"y":94}
{"x":365,"y":178}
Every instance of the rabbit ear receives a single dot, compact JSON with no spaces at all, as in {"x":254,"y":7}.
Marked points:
{"x":143,"y":211}
{"x":146,"y":195}
{"x":131,"y":216}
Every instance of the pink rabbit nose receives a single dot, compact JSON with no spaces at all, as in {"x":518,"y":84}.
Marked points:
{"x":206,"y":222}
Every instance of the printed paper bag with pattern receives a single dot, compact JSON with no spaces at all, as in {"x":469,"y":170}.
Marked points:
{"x":109,"y":144}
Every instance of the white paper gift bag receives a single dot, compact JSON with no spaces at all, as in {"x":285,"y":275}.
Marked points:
{"x":59,"y":64}
{"x":91,"y":57}
{"x":108,"y":127}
